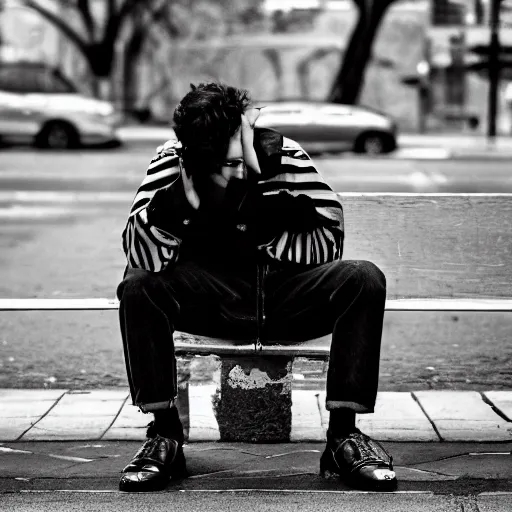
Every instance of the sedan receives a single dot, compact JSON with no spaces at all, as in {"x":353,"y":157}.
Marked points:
{"x":324,"y":127}
{"x":40,"y":106}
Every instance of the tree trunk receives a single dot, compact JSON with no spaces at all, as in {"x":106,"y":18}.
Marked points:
{"x":95,"y":86}
{"x":274,"y":58}
{"x":349,"y":81}
{"x":133,"y":50}
{"x":304,"y":66}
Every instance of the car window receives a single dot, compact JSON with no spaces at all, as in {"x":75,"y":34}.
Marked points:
{"x":24,"y":79}
{"x":52,"y":82}
{"x":12,"y":79}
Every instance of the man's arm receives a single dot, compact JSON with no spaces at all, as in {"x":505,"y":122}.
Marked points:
{"x":147,"y":242}
{"x":309,"y":215}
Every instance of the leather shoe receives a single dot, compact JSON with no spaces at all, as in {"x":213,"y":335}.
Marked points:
{"x":360,"y":461}
{"x":157,"y":461}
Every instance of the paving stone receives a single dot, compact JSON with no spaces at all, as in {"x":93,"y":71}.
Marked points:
{"x":463,"y":416}
{"x":502,"y":400}
{"x":54,"y":428}
{"x":125,"y":434}
{"x":203,"y":424}
{"x":79,"y":415}
{"x":77,"y":405}
{"x":397,"y":417}
{"x":473,"y":430}
{"x":489,"y":466}
{"x":494,"y":502}
{"x":306,"y":419}
{"x":12,"y":428}
{"x":405,"y":474}
{"x":100,"y":394}
{"x":131,"y":417}
{"x":33,"y":395}
{"x":24,"y":409}
{"x":21,"y":408}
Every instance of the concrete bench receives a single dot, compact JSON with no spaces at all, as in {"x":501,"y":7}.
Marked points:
{"x":440,"y":253}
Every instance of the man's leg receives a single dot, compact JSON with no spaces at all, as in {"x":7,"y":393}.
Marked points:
{"x":152,"y":306}
{"x":346,"y":298}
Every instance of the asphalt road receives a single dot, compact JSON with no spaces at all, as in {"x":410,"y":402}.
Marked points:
{"x":61,"y":217}
{"x":242,"y":501}
{"x":122,"y":170}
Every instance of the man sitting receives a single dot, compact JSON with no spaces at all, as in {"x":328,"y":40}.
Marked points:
{"x":233,"y":233}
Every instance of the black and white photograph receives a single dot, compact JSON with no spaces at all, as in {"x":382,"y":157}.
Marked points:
{"x":256,"y":255}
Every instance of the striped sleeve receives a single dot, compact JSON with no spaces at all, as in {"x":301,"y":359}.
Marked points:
{"x":299,"y":176}
{"x":147,"y":246}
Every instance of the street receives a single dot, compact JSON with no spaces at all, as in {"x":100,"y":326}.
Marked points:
{"x":122,"y":170}
{"x":62,"y":216}
{"x":233,"y":501}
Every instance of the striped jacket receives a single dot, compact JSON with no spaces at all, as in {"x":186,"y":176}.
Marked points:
{"x":284,"y":165}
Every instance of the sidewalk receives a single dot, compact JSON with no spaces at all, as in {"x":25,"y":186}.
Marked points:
{"x":101,"y":415}
{"x":452,"y":451}
{"x":411,"y":146}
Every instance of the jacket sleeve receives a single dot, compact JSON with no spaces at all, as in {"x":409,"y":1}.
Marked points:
{"x":147,"y":243}
{"x":298,"y":176}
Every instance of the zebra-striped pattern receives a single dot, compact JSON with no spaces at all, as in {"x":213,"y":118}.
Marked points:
{"x":147,"y":246}
{"x":151,"y":248}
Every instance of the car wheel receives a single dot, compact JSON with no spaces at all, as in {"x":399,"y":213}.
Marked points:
{"x":373,"y":144}
{"x":57,"y":135}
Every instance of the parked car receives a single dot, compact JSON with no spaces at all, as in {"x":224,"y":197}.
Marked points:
{"x":40,"y":105}
{"x":321,"y":127}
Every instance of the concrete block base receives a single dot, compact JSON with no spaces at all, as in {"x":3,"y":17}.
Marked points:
{"x":255,"y":401}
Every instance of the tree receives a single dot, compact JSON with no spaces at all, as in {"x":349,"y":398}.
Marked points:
{"x":349,"y":80}
{"x":99,"y":51}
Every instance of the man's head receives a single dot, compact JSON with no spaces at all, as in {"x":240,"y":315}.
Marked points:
{"x":206,"y":122}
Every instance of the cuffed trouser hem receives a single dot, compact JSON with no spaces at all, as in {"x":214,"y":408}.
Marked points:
{"x":340,"y":404}
{"x":155,"y":406}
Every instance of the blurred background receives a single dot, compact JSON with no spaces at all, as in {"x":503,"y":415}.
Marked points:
{"x":390,"y":96}
{"x":413,"y":59}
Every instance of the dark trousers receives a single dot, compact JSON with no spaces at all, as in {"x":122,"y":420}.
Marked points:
{"x":345,"y":298}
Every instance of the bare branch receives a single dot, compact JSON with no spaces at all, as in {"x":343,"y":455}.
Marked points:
{"x":85,"y":11}
{"x":111,"y":7}
{"x":52,"y":18}
{"x":116,"y":19}
{"x":157,"y":15}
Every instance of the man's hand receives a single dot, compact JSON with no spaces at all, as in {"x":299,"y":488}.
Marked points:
{"x":241,"y":164}
{"x":249,"y":119}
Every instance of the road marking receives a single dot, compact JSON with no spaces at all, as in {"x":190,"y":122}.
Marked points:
{"x":477,"y":454}
{"x":12,"y":450}
{"x":72,"y":459}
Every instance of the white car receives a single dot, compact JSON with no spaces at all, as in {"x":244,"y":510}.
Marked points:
{"x":320,"y":126}
{"x":39,"y":105}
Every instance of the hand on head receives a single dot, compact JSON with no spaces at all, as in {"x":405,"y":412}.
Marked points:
{"x":240,"y":163}
{"x":249,"y":119}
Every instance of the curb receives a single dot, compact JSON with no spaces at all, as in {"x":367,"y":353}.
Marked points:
{"x":422,"y":416}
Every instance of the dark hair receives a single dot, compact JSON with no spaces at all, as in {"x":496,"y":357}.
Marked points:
{"x":205,"y":120}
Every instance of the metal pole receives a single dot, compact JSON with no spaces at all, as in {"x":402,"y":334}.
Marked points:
{"x":494,"y":68}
